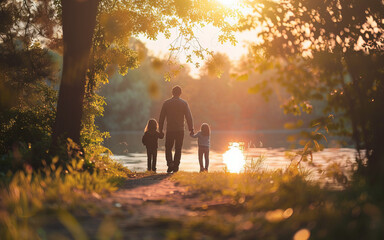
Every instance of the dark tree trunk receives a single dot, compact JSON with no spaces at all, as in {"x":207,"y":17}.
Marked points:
{"x":79,"y":20}
{"x":376,"y":155}
{"x":368,"y":120}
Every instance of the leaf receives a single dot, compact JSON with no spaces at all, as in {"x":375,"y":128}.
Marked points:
{"x":242,"y":78}
{"x":322,"y":135}
{"x":317,"y":146}
{"x":306,"y":147}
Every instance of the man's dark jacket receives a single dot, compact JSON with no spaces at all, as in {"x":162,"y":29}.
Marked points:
{"x":174,"y":110}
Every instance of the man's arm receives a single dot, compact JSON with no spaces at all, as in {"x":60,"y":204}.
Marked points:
{"x":194,"y":135}
{"x":188,"y":117}
{"x":162,"y":118}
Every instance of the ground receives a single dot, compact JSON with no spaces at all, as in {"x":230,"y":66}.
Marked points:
{"x":144,"y":207}
{"x":150,"y":204}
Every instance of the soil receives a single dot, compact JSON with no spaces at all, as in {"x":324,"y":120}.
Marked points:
{"x":144,"y":207}
{"x":154,"y":203}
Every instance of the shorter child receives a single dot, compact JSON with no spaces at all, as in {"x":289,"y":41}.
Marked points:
{"x":203,"y":142}
{"x":151,"y":135}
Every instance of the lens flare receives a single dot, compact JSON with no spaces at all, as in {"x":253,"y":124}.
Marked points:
{"x":234,"y":158}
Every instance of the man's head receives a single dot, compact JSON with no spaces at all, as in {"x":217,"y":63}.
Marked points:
{"x":176,"y":91}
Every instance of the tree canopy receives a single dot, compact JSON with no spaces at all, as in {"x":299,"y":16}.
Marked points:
{"x":327,"y":50}
{"x":94,"y":38}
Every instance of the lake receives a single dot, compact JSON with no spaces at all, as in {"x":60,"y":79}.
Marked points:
{"x":271,"y":145}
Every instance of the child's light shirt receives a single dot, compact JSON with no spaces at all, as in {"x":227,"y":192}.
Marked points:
{"x":201,"y":139}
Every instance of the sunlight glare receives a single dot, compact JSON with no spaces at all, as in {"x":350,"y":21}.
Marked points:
{"x":228,"y":3}
{"x":234,"y":158}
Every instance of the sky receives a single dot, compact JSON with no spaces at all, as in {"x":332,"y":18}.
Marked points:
{"x":208,"y":38}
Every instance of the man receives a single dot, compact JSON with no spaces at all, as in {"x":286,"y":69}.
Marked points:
{"x":174,"y":110}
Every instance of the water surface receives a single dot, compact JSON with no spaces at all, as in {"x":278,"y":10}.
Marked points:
{"x":270,"y":145}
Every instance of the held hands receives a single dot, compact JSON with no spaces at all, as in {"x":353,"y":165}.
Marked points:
{"x":161,"y":134}
{"x":191,"y":133}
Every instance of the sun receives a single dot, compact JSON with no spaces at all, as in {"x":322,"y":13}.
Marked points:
{"x":228,"y":3}
{"x":234,"y":158}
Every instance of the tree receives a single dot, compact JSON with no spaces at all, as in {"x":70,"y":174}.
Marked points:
{"x":27,"y":72}
{"x":118,"y":20}
{"x":78,"y":20}
{"x":333,"y":51}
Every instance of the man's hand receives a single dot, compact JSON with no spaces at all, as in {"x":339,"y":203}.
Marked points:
{"x":161,"y":134}
{"x":191,"y":133}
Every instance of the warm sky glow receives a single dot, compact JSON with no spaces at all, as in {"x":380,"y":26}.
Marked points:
{"x":207,"y":38}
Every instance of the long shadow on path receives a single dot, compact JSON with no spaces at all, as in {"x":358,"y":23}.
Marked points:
{"x":144,"y":181}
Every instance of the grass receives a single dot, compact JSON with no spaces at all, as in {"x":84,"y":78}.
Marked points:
{"x":32,"y":199}
{"x":256,"y":204}
{"x":280,"y":205}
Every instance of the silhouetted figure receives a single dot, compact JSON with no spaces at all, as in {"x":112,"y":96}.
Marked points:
{"x":203,"y":141}
{"x":151,"y":135}
{"x":174,"y":110}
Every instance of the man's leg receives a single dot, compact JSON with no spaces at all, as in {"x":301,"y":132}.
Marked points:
{"x":169,"y":141}
{"x":179,"y":137}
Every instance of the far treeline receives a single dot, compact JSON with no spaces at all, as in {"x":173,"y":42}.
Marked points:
{"x":326,"y":55}
{"x":218,"y":96}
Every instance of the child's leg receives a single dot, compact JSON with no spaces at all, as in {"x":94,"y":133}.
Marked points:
{"x":154,"y":156}
{"x":149,"y":154}
{"x":200,"y":153}
{"x":206,"y":157}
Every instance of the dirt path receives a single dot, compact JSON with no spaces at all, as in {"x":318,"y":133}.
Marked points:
{"x":146,"y":206}
{"x":151,"y":196}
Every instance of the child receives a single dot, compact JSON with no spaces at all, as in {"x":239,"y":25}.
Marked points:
{"x":151,"y":135}
{"x":203,"y":142}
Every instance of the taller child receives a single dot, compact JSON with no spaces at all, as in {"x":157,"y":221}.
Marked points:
{"x":174,"y":110}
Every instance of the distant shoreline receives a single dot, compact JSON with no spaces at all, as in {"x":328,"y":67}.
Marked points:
{"x":268,"y":131}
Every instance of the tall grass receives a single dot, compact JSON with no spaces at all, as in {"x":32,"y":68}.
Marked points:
{"x":53,"y":190}
{"x":280,"y":204}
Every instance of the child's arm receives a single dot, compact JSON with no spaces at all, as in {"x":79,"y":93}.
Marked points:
{"x":144,"y":139}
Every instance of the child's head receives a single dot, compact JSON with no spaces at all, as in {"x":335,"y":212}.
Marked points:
{"x":151,"y":125}
{"x":205,"y":130}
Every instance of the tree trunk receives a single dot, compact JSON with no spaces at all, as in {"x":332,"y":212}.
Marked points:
{"x":79,"y":20}
{"x":366,"y":73}
{"x":376,"y":156}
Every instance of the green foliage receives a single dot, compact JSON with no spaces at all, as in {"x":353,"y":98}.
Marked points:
{"x":30,"y":122}
{"x":310,"y":141}
{"x":128,"y":101}
{"x":98,"y":158}
{"x":328,"y":51}
{"x":28,"y":73}
{"x":27,"y":119}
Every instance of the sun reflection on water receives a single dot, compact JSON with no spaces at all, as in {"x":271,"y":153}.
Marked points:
{"x":234,"y":157}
